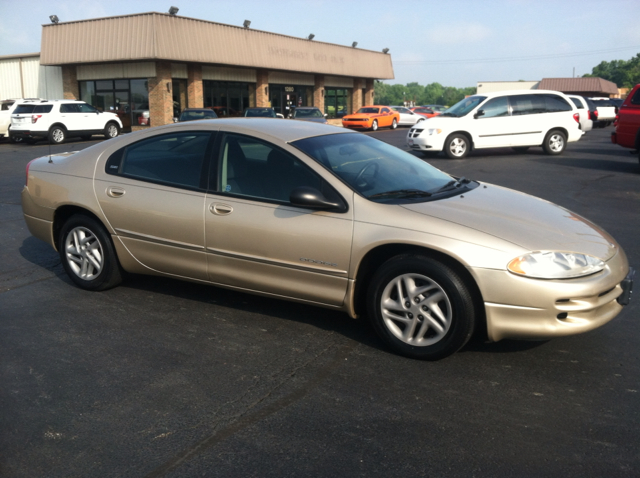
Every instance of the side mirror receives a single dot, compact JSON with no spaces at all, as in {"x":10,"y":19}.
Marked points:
{"x":311,"y":198}
{"x":478,"y":114}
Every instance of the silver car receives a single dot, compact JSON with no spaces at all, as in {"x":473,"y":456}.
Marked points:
{"x":326,"y":216}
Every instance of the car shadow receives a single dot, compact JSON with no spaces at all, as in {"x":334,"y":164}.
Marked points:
{"x":360,"y":330}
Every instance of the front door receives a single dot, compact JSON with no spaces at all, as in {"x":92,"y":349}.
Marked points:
{"x":257,"y":240}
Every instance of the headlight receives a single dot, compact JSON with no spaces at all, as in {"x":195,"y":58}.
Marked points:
{"x":433,"y":131}
{"x":555,"y":265}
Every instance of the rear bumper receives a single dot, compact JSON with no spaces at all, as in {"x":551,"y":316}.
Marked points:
{"x":26,"y":134}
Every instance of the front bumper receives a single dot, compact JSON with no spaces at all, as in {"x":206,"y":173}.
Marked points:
{"x":522,"y":308}
{"x":422,"y":141}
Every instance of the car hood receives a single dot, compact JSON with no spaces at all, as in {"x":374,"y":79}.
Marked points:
{"x":529,"y":222}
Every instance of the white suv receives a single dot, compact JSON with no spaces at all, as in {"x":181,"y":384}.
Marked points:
{"x":6,"y":109}
{"x":517,"y":119}
{"x":58,"y":120}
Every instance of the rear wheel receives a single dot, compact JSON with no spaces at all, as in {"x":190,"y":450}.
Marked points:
{"x":88,"y":255}
{"x":374,"y":125}
{"x":457,"y":146}
{"x":57,"y":135}
{"x":421,"y":307}
{"x":554,"y":142}
{"x":111,"y":130}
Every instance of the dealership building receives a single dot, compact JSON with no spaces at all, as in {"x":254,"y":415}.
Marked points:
{"x":148,"y":67}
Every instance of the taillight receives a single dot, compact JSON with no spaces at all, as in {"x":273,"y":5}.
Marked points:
{"x":26,"y":182}
{"x":35,"y":118}
{"x":576,"y":116}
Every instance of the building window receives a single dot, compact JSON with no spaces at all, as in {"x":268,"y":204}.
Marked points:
{"x":129,"y":99}
{"x":228,"y":98}
{"x":337,"y":102}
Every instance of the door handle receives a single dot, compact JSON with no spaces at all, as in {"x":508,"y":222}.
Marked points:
{"x":115,"y":192}
{"x":220,"y":209}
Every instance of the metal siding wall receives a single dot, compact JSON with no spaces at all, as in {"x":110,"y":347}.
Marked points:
{"x":222,"y":73}
{"x":30,"y":76}
{"x":288,"y":78}
{"x":50,"y":82}
{"x":179,"y":70}
{"x":116,"y":70}
{"x":10,"y":79}
{"x":338,"y":82}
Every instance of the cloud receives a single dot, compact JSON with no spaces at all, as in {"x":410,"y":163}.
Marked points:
{"x":454,"y":33}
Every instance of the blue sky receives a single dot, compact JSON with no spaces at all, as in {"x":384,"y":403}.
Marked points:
{"x":454,"y":42}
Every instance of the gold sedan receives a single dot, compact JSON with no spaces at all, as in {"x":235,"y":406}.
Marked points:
{"x":325,"y":216}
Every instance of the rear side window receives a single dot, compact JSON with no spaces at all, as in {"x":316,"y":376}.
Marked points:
{"x":578,"y":103}
{"x":42,"y":108}
{"x":527,"y":104}
{"x":24,"y":109}
{"x":555,"y":104}
{"x":175,"y":159}
{"x":635,"y":100}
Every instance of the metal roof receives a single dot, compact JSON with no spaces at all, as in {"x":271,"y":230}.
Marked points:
{"x":160,"y":36}
{"x":575,"y":85}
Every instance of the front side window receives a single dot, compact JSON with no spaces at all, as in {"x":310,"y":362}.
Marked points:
{"x":495,"y":108}
{"x":250,"y":167}
{"x":369,"y":110}
{"x":175,"y":159}
{"x":464,"y":107}
{"x":84,"y":108}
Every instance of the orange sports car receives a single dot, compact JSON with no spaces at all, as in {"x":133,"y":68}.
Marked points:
{"x":372,"y":117}
{"x":424,"y":111}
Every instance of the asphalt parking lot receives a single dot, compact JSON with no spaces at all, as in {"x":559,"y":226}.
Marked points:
{"x":165,"y":378}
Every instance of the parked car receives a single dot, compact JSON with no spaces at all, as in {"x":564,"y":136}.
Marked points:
{"x":372,"y":117}
{"x":627,"y":132}
{"x":437,"y":108}
{"x":193,"y":114}
{"x":6,"y":110}
{"x":224,"y":112}
{"x":328,"y":217}
{"x":607,"y":111}
{"x":407,"y":116}
{"x":261,"y":112}
{"x":586,"y":123}
{"x":517,"y":119}
{"x":424,"y":111}
{"x":58,"y":120}
{"x":309,"y":113}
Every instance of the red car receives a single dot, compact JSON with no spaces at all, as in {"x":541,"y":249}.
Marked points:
{"x":627,"y":123}
{"x":424,"y":111}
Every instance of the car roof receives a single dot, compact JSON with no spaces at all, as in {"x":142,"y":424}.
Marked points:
{"x":493,"y":94}
{"x":277,"y":128}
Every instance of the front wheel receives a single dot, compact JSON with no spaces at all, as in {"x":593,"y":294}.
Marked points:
{"x":457,"y":146}
{"x":57,"y":135}
{"x":111,"y":130}
{"x":421,"y":307}
{"x":374,"y":125}
{"x":87,"y":254}
{"x":554,"y":142}
{"x":394,"y":125}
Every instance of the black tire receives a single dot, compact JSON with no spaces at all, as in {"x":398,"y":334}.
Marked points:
{"x":374,"y":125}
{"x":394,"y":124}
{"x":57,"y":134}
{"x":431,"y":325}
{"x":95,"y":266}
{"x":520,"y":149}
{"x":555,"y":142}
{"x":457,"y":146}
{"x":111,"y":130}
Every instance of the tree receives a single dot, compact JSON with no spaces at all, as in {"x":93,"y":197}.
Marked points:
{"x":625,"y":74}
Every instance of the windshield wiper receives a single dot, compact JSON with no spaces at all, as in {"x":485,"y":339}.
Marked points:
{"x":453,"y":184}
{"x":402,"y":193}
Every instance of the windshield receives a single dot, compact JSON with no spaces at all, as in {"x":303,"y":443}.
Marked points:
{"x":260,"y":113}
{"x":307,"y":113}
{"x":369,"y":110}
{"x":376,"y":170}
{"x":196,"y":115}
{"x":463,"y":107}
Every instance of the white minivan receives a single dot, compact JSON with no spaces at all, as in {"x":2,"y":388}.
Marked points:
{"x":516,"y":119}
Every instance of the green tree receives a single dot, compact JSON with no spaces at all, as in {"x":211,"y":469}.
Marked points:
{"x":625,"y":74}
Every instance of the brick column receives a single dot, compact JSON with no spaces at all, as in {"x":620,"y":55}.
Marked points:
{"x":368,"y":93}
{"x":194,"y":86}
{"x":161,"y":98}
{"x":262,"y":85}
{"x":356,"y":99}
{"x":318,"y":93}
{"x":70,"y":83}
